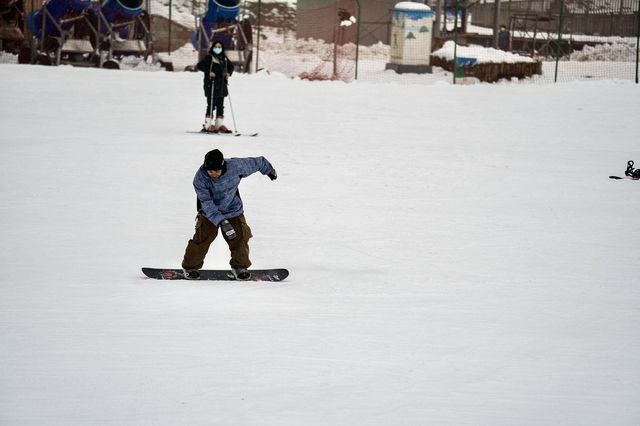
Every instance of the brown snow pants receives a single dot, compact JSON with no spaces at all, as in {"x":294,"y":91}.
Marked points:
{"x":206,"y":232}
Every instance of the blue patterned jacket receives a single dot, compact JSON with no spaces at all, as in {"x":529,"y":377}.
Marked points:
{"x":220,"y":199}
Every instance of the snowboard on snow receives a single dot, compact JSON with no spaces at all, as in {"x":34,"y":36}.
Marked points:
{"x":217,"y":274}
{"x":630,"y":173}
{"x":623,"y":177}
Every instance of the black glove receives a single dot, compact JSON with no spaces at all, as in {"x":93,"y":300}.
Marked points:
{"x":273,"y":175}
{"x":228,"y":229}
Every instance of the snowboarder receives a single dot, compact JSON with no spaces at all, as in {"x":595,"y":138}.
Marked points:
{"x":220,"y":206}
{"x":216,"y":68}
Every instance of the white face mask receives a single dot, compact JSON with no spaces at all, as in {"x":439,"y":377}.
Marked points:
{"x":217,"y":50}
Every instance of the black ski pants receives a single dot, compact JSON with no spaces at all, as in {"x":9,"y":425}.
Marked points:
{"x":218,"y":106}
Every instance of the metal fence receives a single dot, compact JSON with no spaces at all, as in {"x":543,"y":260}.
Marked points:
{"x":533,"y":41}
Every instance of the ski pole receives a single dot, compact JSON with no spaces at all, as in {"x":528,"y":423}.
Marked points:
{"x":233,"y":117}
{"x":211,"y":102}
{"x":212,"y":84}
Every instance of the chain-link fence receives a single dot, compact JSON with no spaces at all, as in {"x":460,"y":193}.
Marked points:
{"x":541,"y":40}
{"x":381,"y":40}
{"x":321,"y":46}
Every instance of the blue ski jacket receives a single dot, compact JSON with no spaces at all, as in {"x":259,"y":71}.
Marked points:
{"x":220,"y":199}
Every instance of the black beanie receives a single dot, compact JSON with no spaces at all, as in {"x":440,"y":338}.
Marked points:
{"x":213,"y":160}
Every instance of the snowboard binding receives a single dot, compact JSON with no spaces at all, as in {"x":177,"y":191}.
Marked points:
{"x":631,"y":172}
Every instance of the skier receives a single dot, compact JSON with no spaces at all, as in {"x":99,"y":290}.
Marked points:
{"x":220,"y":206}
{"x":217,"y":68}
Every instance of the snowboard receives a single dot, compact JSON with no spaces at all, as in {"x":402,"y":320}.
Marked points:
{"x":630,"y":173}
{"x":623,"y":177}
{"x":217,"y":274}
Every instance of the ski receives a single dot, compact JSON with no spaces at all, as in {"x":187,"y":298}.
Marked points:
{"x":250,"y":135}
{"x":272,"y":275}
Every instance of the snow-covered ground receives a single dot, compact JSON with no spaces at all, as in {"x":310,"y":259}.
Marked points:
{"x":483,"y":54}
{"x":458,"y":255}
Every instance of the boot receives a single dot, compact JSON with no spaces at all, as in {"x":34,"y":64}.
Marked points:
{"x":191,"y":274}
{"x":208,"y":125}
{"x":240,"y":274}
{"x":221,"y":127}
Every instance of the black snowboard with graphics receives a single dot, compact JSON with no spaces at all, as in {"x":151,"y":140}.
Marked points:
{"x":216,"y":275}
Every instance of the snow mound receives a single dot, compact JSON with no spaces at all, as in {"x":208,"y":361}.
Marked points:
{"x":482,"y":54}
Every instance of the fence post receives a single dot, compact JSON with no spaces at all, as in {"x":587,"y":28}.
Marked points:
{"x":455,"y":40}
{"x":170,"y":22}
{"x":555,"y":78}
{"x":637,"y":40}
{"x":358,"y":35}
{"x":496,"y":23}
{"x":258,"y":35}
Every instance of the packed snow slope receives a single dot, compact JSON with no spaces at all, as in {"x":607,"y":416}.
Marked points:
{"x":458,"y":254}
